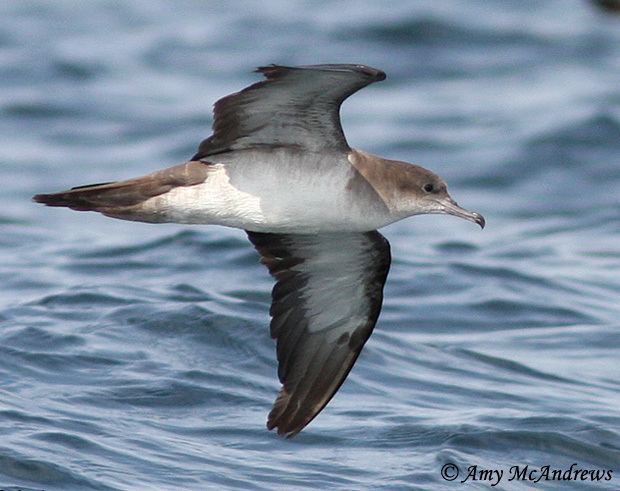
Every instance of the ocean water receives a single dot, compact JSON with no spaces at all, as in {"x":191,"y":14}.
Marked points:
{"x":135,"y":356}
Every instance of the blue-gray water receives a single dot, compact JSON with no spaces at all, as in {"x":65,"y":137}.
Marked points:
{"x":135,"y":356}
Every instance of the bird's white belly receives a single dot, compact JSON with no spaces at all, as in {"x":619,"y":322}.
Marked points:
{"x":265,"y":205}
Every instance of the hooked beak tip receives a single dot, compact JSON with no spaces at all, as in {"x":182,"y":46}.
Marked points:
{"x":479,"y":219}
{"x":450,"y":207}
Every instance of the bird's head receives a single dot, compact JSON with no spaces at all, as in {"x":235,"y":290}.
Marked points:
{"x":423,"y":192}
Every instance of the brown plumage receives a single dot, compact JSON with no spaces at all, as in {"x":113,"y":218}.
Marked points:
{"x":123,"y":199}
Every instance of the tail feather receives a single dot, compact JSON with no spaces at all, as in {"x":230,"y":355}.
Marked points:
{"x":84,"y":198}
{"x":122,"y":197}
{"x":97,"y":196}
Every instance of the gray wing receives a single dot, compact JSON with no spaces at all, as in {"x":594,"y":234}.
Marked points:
{"x":295,"y":106}
{"x":325,"y":304}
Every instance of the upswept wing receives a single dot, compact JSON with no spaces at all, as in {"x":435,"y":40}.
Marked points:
{"x":294,"y":106}
{"x":325,"y":304}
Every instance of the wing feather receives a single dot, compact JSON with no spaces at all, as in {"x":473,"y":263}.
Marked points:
{"x":325,"y":304}
{"x":294,"y":106}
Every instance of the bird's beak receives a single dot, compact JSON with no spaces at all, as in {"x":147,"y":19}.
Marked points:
{"x":449,"y":206}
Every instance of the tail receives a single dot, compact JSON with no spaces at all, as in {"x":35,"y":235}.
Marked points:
{"x":128,"y":199}
{"x":94,"y":196}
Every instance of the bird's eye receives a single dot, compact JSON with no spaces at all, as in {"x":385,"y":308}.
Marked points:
{"x":428,"y":188}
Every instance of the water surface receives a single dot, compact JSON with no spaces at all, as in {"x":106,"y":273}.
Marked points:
{"x":135,"y":356}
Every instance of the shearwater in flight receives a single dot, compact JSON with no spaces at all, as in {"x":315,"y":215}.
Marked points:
{"x":279,"y":167}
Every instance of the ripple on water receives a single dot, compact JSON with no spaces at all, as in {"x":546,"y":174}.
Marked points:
{"x":21,"y":468}
{"x":528,"y":443}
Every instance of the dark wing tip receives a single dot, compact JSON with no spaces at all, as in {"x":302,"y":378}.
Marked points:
{"x":288,"y":421}
{"x":275,"y":71}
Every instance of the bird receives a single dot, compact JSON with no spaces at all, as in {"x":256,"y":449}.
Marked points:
{"x":278,"y":166}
